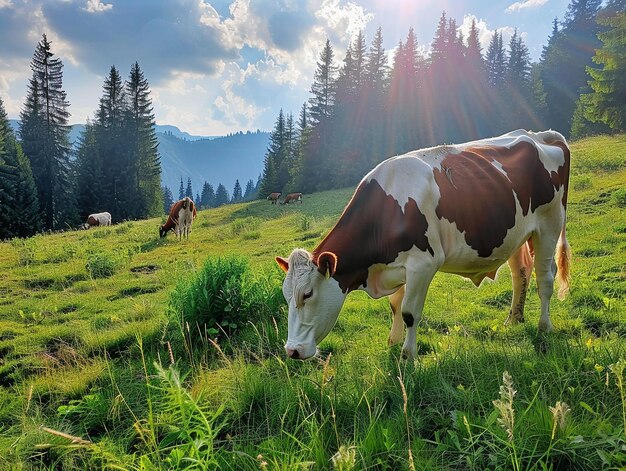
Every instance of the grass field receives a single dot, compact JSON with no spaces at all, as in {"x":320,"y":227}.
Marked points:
{"x":106,"y":361}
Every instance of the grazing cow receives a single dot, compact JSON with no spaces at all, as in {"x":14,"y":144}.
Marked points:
{"x":273,"y":197}
{"x":463,"y":209}
{"x":98,"y":219}
{"x":182,"y":214}
{"x":292,"y":197}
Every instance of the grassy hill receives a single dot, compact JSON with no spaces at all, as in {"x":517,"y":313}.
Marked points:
{"x":99,"y":371}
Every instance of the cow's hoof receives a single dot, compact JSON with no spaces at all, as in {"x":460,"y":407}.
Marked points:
{"x":408,"y":354}
{"x":514,"y":319}
{"x":545,"y":326}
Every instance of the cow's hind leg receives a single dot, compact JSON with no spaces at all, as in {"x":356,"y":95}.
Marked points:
{"x":521,"y":264}
{"x":417,"y":283}
{"x":397,"y":328}
{"x":545,"y":269}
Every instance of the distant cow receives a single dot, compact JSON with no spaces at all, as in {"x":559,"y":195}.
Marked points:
{"x":464,"y":209}
{"x":292,"y":197}
{"x":98,"y":219}
{"x":182,"y":214}
{"x":273,"y":197}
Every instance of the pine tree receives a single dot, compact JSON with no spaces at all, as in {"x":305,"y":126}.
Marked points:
{"x":19,"y":206}
{"x":324,"y":86}
{"x":168,"y":199}
{"x":144,"y":159}
{"x":563,"y":67}
{"x":189,"y":189}
{"x":90,"y":177}
{"x":207,"y":197}
{"x":496,"y":61}
{"x":518,"y":84}
{"x":221,"y":196}
{"x":248,"y":194}
{"x":181,"y":190}
{"x":607,"y":101}
{"x":112,"y":142}
{"x":275,"y":173}
{"x":44,"y":132}
{"x":237,"y":193}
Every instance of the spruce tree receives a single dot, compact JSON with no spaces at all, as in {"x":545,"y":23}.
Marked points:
{"x":275,"y":174}
{"x":207,"y":197}
{"x":90,"y":175}
{"x":181,"y":190}
{"x":606,"y":103}
{"x":248,"y":193}
{"x":168,"y":199}
{"x":221,"y":196}
{"x":324,"y":86}
{"x":144,"y":159}
{"x":19,"y":206}
{"x":189,"y":189}
{"x":112,"y":141}
{"x":44,"y":133}
{"x":237,"y":193}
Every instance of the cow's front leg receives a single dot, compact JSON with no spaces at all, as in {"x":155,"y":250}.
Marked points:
{"x":397,"y":328}
{"x":416,"y":287}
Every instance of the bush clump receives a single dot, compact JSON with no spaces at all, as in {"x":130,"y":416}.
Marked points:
{"x":101,"y":264}
{"x":224,"y":294}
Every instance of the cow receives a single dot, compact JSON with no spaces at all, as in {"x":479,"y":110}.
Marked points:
{"x":273,"y":197}
{"x":463,"y":209}
{"x":98,"y":219}
{"x":182,"y":214}
{"x":292,"y":197}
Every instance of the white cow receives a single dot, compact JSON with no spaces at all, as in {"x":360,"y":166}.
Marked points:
{"x":98,"y":219}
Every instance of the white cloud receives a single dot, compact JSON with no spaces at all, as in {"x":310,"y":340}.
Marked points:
{"x":96,"y":6}
{"x":5,"y":3}
{"x":517,"y":6}
{"x":484,"y":33}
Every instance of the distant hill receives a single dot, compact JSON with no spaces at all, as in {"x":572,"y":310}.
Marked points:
{"x":211,"y":158}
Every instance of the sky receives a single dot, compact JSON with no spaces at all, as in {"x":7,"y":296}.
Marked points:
{"x":221,"y":66}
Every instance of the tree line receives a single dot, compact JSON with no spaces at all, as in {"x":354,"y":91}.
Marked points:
{"x":363,"y":111}
{"x":210,"y":197}
{"x":47,"y":185}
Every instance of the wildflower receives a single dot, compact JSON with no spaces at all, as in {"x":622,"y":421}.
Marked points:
{"x":559,"y":413}
{"x":344,"y":459}
{"x":504,"y":405}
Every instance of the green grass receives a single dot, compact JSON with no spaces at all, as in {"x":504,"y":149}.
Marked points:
{"x":98,"y":342}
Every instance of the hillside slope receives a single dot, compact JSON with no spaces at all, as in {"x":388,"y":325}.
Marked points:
{"x":69,"y":334}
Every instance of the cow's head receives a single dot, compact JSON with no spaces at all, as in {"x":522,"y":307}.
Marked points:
{"x":314,"y":300}
{"x":162,"y":231}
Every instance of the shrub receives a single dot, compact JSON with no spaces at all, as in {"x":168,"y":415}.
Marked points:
{"x":224,"y":294}
{"x":619,"y":197}
{"x":101,"y":264}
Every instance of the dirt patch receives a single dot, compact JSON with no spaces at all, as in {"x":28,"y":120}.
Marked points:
{"x":145,"y":269}
{"x":134,"y":291}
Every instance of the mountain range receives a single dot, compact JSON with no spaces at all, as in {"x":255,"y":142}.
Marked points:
{"x":215,"y":159}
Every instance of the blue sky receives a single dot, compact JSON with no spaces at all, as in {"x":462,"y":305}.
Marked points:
{"x":219,"y":66}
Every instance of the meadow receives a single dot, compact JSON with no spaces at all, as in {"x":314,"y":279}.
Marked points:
{"x":120,"y":350}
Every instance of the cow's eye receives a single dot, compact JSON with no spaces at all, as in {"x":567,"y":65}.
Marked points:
{"x":307,"y":295}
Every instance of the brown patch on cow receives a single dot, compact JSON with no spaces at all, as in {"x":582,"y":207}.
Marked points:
{"x":372,"y":229}
{"x":480,"y":199}
{"x":92,"y":221}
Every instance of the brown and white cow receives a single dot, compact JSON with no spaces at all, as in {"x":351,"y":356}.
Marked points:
{"x":273,"y":197}
{"x":292,"y":197}
{"x":182,"y":214}
{"x":98,"y":219}
{"x":463,"y":209}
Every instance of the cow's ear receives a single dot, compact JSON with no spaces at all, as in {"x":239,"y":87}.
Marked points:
{"x":327,"y":264}
{"x":283,"y":263}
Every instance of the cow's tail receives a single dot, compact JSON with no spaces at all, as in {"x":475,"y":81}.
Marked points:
{"x":563,"y":261}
